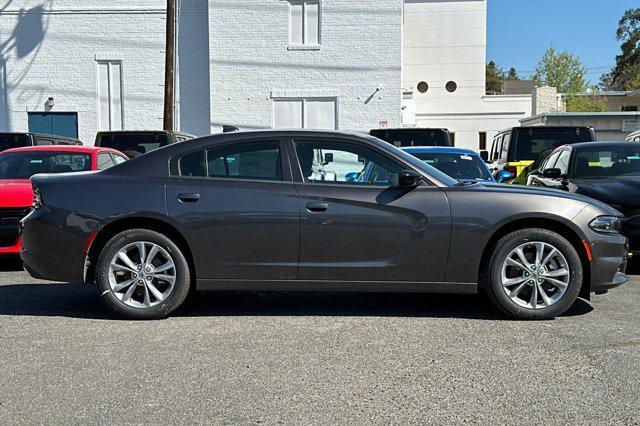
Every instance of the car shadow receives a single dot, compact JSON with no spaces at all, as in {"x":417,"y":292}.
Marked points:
{"x":83,"y":301}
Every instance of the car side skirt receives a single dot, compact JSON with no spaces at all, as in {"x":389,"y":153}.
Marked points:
{"x":339,"y":286}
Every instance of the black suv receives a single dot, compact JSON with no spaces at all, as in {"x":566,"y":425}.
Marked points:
{"x":414,"y":137}
{"x":138,"y":142}
{"x":515,"y":149}
{"x":18,"y":140}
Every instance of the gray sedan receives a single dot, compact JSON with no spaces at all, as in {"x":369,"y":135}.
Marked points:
{"x":279,"y":210}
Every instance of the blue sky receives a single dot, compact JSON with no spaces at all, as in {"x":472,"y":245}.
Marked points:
{"x":519,"y":31}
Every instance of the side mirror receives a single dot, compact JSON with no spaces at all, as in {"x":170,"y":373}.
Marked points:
{"x":328,"y":158}
{"x":552,"y":173}
{"x":504,"y":176}
{"x":351,"y":177}
{"x":485,"y":156}
{"x":409,"y":179}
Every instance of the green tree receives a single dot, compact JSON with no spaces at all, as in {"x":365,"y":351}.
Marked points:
{"x":589,"y":101}
{"x":561,"y":70}
{"x":495,"y":78}
{"x":626,"y":74}
{"x":513,"y":74}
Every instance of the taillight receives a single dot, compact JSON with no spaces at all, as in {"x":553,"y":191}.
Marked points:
{"x":511,"y":169}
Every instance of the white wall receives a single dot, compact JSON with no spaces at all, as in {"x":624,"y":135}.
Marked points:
{"x":446,"y":41}
{"x":49,"y":50}
{"x":361,"y":51}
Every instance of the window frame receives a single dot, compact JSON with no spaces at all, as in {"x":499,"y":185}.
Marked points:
{"x":174,"y":164}
{"x":105,"y":153}
{"x":304,"y":45}
{"x":299,"y":179}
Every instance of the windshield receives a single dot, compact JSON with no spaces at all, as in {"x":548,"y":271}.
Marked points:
{"x":134,"y":144}
{"x":9,"y":140}
{"x":608,"y":162}
{"x":533,"y":142}
{"x":23,"y":165}
{"x":413,"y":137}
{"x":458,"y":166}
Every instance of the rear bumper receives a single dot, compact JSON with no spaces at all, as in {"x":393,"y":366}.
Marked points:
{"x":49,"y":251}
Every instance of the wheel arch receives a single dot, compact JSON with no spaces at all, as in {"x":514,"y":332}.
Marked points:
{"x":547,"y":223}
{"x":153,"y":224}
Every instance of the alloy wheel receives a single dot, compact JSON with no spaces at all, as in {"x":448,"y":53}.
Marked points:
{"x":142,"y":274}
{"x":535,"y":275}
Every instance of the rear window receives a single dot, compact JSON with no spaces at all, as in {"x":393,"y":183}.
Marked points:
{"x":533,"y":142}
{"x":23,"y":165}
{"x":8,"y":141}
{"x":133,"y":144}
{"x":413,"y":137}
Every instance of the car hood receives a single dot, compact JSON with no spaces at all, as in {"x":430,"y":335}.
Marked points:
{"x":532,"y":190}
{"x":617,"y":192}
{"x":15,"y":193}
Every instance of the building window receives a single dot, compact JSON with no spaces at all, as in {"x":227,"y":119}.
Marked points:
{"x":629,"y":108}
{"x":452,"y":86}
{"x":305,"y":113}
{"x":304,"y":22}
{"x":110,"y":106}
{"x":423,"y":87}
{"x":482,"y":145}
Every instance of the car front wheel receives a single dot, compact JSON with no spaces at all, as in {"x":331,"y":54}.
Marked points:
{"x":534,"y":274}
{"x":142,"y":274}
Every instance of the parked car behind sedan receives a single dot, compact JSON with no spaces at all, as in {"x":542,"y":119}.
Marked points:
{"x":464,"y":165}
{"x":17,"y":140}
{"x":248,"y":211}
{"x":18,"y":165}
{"x":515,"y":149}
{"x":138,"y":142}
{"x":606,"y":171}
{"x":414,"y":136}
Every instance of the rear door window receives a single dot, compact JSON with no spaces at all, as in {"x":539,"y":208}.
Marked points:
{"x":105,"y":161}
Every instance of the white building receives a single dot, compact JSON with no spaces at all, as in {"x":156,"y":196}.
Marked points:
{"x":444,"y":59}
{"x":251,"y":63}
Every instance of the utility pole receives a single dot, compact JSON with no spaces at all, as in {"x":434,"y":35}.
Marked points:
{"x":169,"y":66}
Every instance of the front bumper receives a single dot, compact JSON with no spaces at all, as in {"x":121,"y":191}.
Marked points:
{"x":13,"y":249}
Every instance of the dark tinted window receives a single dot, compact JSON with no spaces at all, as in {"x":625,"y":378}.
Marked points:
{"x":133,"y":144}
{"x":193,"y":164}
{"x":8,"y":141}
{"x":533,"y":142}
{"x":254,"y":160}
{"x":458,"y":166}
{"x":23,"y":165}
{"x":257,"y":160}
{"x":605,"y":162}
{"x":413,"y":137}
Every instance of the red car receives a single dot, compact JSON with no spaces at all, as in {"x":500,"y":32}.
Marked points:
{"x":19,"y":164}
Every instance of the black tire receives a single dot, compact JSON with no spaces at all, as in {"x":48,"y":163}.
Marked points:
{"x":173,"y":300}
{"x":492,"y":276}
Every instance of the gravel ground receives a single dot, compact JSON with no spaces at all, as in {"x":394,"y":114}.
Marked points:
{"x":314,"y":358}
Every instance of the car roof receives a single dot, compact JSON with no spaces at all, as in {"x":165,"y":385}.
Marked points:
{"x":438,"y":150}
{"x":61,"y":148}
{"x":509,"y":129}
{"x":411,"y":129}
{"x":586,"y":145}
{"x":141,"y":132}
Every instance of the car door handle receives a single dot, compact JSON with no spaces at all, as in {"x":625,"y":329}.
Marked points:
{"x":317,"y":207}
{"x":188,"y":198}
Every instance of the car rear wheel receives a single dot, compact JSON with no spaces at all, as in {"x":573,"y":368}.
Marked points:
{"x":142,"y":274}
{"x":533,"y":274}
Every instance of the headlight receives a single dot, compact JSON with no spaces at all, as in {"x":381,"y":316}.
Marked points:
{"x":606,"y":224}
{"x":38,"y":201}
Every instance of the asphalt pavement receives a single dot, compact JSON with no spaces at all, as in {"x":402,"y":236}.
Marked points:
{"x":314,"y":358}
